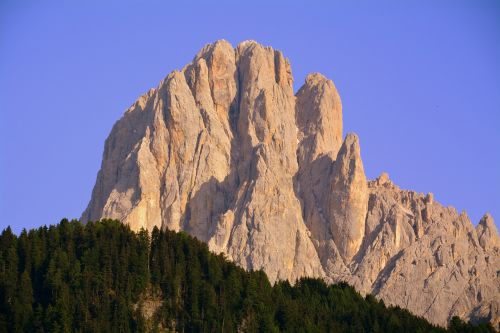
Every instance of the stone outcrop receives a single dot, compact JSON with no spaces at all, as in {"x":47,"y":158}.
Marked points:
{"x":224,"y":150}
{"x":348,"y":199}
{"x":425,"y":257}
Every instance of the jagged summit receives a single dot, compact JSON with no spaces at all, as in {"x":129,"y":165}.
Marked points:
{"x":224,"y":150}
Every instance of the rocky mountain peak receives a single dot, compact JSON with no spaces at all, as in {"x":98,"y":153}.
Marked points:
{"x":224,"y":150}
{"x":487,"y":234}
{"x":383,"y":179}
{"x":319,"y":118}
{"x":348,"y":198}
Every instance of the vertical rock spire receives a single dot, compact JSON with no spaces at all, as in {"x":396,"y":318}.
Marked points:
{"x":319,"y":119}
{"x":348,"y":202}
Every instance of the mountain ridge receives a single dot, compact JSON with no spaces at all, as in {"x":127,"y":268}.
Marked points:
{"x":224,"y":150}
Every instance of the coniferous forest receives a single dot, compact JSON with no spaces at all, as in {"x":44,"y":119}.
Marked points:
{"x":102,"y":277}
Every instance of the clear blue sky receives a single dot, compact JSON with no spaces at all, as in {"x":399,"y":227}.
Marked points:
{"x":419,"y":81}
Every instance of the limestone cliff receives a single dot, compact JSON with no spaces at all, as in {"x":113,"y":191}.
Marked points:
{"x":224,"y":150}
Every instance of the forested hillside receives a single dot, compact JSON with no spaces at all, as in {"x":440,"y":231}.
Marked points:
{"x":102,"y":277}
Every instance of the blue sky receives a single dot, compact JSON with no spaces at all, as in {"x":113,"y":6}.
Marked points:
{"x":419,"y":81}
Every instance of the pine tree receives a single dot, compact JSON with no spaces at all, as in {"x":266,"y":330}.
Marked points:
{"x":93,"y":278}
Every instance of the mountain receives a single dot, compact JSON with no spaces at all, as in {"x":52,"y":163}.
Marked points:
{"x":103,"y":277}
{"x":225,"y":151}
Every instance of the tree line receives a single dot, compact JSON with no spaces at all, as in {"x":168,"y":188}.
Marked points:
{"x":103,"y":277}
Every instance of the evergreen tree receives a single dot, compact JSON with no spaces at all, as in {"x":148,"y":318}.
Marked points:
{"x":102,"y":277}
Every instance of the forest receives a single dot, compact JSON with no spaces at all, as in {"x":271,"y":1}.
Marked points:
{"x":103,"y":277}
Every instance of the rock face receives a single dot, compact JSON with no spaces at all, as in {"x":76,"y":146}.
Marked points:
{"x":348,"y":199}
{"x":224,"y":150}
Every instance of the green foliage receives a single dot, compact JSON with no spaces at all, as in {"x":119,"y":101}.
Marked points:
{"x":96,"y":277}
{"x":457,"y":325}
{"x":72,"y":278}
